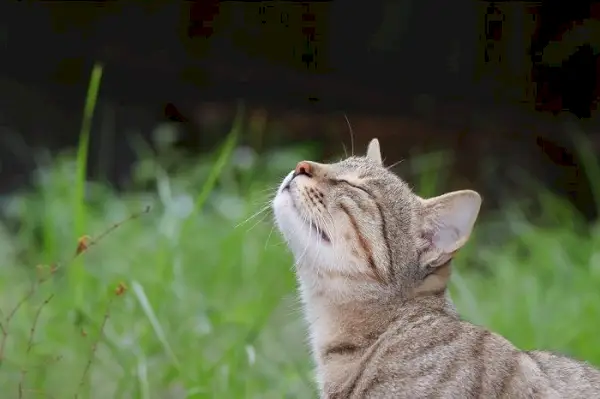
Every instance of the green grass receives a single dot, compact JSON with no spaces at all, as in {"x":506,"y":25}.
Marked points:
{"x":205,"y":299}
{"x":76,"y":274}
{"x":210,"y":309}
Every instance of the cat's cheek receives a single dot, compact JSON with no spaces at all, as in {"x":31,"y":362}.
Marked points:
{"x":288,"y":221}
{"x":282,"y":207}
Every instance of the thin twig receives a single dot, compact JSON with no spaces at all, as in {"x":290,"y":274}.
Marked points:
{"x":84,"y":243}
{"x":30,"y":341}
{"x":88,"y":365}
{"x":114,"y":227}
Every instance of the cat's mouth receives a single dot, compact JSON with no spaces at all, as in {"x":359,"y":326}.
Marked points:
{"x":320,"y":233}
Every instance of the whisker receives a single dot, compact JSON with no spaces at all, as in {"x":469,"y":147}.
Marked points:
{"x":267,"y":197}
{"x":333,"y":237}
{"x":271,"y":189}
{"x":319,"y":242}
{"x":337,"y":254}
{"x":395,"y":163}
{"x":257,"y":223}
{"x":324,"y":228}
{"x":307,"y":241}
{"x":332,"y":234}
{"x":269,"y":236}
{"x":263,"y":209}
{"x":351,"y":134}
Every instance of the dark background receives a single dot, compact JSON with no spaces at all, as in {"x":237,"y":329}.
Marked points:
{"x":503,"y":85}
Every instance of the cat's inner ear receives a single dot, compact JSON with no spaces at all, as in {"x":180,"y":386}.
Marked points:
{"x":373,"y":151}
{"x":447,"y":224}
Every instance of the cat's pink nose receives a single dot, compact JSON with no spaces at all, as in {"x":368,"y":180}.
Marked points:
{"x":303,"y":168}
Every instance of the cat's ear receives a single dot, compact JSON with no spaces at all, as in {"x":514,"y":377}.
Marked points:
{"x":447,"y":224}
{"x":373,"y":151}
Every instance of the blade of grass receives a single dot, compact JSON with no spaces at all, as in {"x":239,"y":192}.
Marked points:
{"x":142,"y":373}
{"x":140,"y":294}
{"x":222,"y":159}
{"x":76,"y":273}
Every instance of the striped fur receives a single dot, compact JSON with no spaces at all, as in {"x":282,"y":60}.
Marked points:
{"x":373,"y":262}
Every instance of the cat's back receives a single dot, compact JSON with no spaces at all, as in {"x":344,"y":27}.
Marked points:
{"x":438,"y":356}
{"x":570,"y":377}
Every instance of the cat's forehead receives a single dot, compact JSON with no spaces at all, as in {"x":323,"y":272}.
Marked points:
{"x":360,"y":167}
{"x":362,"y":170}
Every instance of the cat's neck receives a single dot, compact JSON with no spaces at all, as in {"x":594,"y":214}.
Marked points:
{"x":341,"y":326}
{"x":323,"y":294}
{"x":366,"y":320}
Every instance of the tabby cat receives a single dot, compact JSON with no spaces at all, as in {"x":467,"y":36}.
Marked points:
{"x":373,"y":261}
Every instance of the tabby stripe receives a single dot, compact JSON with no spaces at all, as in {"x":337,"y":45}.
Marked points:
{"x":340,"y":348}
{"x":380,"y":379}
{"x":432,"y":346}
{"x":416,"y":320}
{"x":510,"y":374}
{"x":375,"y":380}
{"x":386,"y":240}
{"x":448,"y":374}
{"x":363,"y":243}
{"x":478,"y":348}
{"x":374,"y":350}
{"x":541,"y":366}
{"x":452,"y":368}
{"x":363,"y":366}
{"x":390,"y":268}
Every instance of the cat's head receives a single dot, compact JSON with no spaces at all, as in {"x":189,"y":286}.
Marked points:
{"x":355,"y":227}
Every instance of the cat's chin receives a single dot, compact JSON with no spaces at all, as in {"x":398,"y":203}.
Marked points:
{"x":301,"y":235}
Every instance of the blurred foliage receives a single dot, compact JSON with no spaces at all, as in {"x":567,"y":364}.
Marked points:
{"x":211,"y":309}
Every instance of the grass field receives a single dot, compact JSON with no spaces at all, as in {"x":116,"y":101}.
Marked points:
{"x":210,"y":309}
{"x":183,"y":302}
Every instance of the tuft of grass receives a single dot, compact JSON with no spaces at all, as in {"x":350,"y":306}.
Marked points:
{"x":77,"y":274}
{"x":211,"y":309}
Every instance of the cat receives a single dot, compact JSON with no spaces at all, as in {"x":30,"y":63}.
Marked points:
{"x":373,"y":261}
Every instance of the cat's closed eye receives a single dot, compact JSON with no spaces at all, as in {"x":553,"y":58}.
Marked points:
{"x":353,"y":185}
